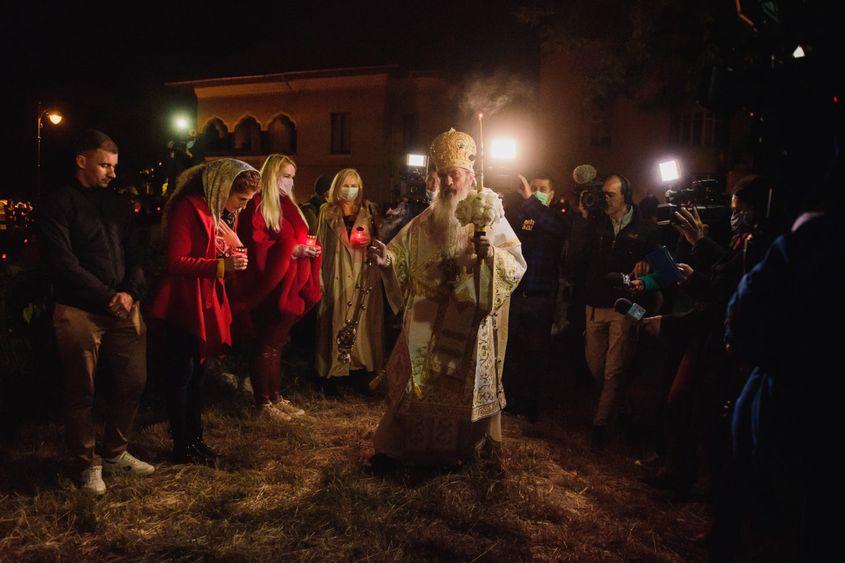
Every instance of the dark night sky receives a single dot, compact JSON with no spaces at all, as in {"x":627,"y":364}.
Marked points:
{"x":106,"y":67}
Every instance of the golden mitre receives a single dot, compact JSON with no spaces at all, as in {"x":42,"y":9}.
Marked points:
{"x":453,"y":149}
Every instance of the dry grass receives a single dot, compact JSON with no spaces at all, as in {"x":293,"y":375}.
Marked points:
{"x":301,"y":492}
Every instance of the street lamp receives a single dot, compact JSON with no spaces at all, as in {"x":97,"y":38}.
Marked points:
{"x":54,"y":117}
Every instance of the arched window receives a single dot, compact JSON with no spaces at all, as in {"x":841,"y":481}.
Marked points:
{"x":247,"y":138}
{"x":281,"y":135}
{"x":215,"y":137}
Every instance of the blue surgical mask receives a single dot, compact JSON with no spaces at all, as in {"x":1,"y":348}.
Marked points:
{"x":430,"y":195}
{"x":543,"y":197}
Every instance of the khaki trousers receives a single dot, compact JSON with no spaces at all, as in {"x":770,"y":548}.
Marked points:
{"x":608,"y":344}
{"x":83,"y":337}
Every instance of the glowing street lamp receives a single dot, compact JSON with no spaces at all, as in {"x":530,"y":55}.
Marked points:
{"x":54,"y":117}
{"x":503,"y":149}
{"x":181,"y":123}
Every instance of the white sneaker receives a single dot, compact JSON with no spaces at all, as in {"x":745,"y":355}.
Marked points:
{"x":127,"y":464}
{"x":286,"y":406}
{"x":91,"y":480}
{"x":270,"y":411}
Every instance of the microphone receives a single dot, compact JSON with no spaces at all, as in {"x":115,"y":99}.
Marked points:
{"x":584,"y":174}
{"x":630,"y":309}
{"x":618,"y":281}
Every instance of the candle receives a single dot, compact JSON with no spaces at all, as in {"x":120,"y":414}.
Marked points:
{"x":360,"y":237}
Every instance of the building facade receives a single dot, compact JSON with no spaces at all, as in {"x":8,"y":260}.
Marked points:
{"x":364,"y":118}
{"x":627,"y":138}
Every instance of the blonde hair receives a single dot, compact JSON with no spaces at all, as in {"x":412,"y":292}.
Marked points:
{"x":338,"y":180}
{"x":271,"y":207}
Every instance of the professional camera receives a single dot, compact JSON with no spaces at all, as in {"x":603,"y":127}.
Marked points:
{"x":699,"y":192}
{"x":591,"y":197}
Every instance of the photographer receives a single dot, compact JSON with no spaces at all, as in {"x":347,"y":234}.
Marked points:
{"x":541,"y":229}
{"x":707,"y":379}
{"x":612,"y":239}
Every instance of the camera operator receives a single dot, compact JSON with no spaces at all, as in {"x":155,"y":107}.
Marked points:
{"x":541,"y":229}
{"x":707,"y":379}
{"x":612,"y":239}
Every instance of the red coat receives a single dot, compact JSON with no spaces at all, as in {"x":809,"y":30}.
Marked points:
{"x":190,"y":295}
{"x":274,"y":279}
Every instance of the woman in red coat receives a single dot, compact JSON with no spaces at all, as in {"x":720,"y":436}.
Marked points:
{"x":281,"y":284}
{"x":191,"y":300}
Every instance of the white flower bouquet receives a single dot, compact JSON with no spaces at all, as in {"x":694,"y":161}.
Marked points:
{"x":481,"y":208}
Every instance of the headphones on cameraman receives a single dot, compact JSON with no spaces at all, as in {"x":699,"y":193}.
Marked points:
{"x":627,"y":191}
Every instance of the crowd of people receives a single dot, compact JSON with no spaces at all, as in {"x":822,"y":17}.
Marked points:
{"x":245,"y":265}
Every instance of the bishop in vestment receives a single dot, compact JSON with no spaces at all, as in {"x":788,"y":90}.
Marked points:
{"x":444,"y":376}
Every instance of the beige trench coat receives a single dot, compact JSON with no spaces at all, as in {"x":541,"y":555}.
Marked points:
{"x":342,"y":264}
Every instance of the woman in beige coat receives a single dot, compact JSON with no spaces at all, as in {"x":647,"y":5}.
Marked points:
{"x":346,"y":225}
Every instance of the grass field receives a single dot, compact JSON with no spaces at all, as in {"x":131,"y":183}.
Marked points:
{"x":302,"y":491}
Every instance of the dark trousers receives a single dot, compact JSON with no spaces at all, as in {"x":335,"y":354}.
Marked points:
{"x":266,"y":369}
{"x":83,"y":338}
{"x":185,"y":377}
{"x":529,"y":348}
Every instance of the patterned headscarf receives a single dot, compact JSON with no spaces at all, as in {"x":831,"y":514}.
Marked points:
{"x":217,"y":179}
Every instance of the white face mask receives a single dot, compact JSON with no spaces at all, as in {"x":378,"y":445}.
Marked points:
{"x":285,"y":186}
{"x":348,"y":194}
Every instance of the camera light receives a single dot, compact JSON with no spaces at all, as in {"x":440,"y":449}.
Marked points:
{"x":503,"y":149}
{"x":798,"y":53}
{"x":669,"y":171}
{"x":417,"y":160}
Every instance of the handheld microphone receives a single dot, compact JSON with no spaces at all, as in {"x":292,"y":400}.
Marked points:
{"x":584,"y":174}
{"x":618,"y":281}
{"x":630,"y":309}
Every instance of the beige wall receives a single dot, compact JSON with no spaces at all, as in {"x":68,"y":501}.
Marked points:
{"x":375,"y":102}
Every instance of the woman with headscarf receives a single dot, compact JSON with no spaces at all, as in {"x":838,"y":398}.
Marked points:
{"x":281,"y":283}
{"x":346,"y":225}
{"x":200,"y":219}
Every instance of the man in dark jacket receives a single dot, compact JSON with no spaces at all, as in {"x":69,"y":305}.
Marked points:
{"x":541,"y":230}
{"x":613,"y":241}
{"x":88,"y":240}
{"x":311,"y":208}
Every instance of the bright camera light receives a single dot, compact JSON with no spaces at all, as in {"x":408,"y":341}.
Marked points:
{"x":669,"y":171}
{"x":417,"y":160}
{"x":798,"y":53}
{"x":503,"y":149}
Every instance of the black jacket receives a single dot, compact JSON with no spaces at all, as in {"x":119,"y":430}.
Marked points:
{"x":89,"y":243}
{"x":596,"y":252}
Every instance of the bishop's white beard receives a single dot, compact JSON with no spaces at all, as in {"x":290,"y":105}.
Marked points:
{"x":449,"y":234}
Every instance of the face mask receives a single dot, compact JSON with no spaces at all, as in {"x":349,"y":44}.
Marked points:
{"x":348,"y":194}
{"x":429,"y":195}
{"x":543,"y":197}
{"x":739,"y":222}
{"x":285,"y":186}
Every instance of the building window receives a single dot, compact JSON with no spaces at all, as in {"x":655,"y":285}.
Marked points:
{"x":341,"y":134}
{"x":215,"y":137}
{"x":281,"y":136}
{"x":410,"y":130}
{"x":697,"y":129}
{"x":599,"y":131}
{"x":247,"y":138}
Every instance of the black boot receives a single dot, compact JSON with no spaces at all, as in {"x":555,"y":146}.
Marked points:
{"x":200,"y":452}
